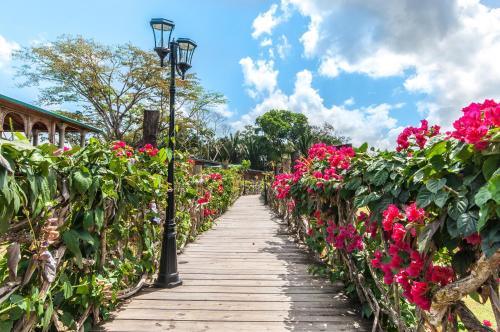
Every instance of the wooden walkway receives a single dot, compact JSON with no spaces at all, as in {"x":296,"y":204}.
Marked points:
{"x":244,"y":275}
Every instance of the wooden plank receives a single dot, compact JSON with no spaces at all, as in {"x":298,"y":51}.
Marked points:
{"x":155,"y":325}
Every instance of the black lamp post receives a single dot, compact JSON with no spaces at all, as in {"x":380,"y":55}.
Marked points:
{"x":181,"y":54}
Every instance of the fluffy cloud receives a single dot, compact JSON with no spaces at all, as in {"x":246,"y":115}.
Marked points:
{"x":446,"y":49}
{"x":360,"y":124}
{"x":265,"y":22}
{"x":6,"y":49}
{"x":260,"y":76}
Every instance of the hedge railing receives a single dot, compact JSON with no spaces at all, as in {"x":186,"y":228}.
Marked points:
{"x":81,"y":229}
{"x":413,"y":231}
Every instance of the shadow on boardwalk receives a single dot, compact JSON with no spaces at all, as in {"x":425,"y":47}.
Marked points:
{"x":244,"y":275}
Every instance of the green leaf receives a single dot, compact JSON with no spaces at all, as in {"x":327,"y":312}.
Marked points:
{"x":424,"y":198}
{"x":353,"y":183}
{"x":467,"y":223}
{"x":81,"y":181}
{"x":99,"y":217}
{"x":490,"y":165}
{"x":457,"y":207}
{"x":490,"y":239}
{"x":434,"y":185}
{"x":494,"y":187}
{"x":436,"y":149}
{"x":380,"y":177}
{"x":483,"y":195}
{"x":71,"y":239}
{"x":483,"y":217}
{"x":67,"y":290}
{"x":441,"y":198}
{"x":425,"y":238}
{"x":363,"y":148}
{"x":88,"y":219}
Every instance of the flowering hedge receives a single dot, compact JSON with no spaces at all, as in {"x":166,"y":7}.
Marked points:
{"x":80,"y":229}
{"x":414,"y":230}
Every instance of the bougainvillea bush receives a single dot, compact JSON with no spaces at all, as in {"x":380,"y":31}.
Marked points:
{"x":80,"y":229}
{"x":413,"y":231}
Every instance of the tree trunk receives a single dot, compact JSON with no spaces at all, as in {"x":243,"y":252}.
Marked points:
{"x":150,"y":127}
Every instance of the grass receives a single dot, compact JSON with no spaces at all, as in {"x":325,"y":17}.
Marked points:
{"x":482,"y":311}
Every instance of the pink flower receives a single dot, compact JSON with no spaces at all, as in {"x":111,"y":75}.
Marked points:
{"x":487,"y":323}
{"x":414,"y":214}
{"x":390,"y":214}
{"x":398,"y":232}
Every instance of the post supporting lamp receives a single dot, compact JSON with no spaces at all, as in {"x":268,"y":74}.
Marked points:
{"x":181,"y":53}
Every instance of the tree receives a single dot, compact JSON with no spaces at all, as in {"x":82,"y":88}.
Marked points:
{"x":282,"y":128}
{"x":111,"y":84}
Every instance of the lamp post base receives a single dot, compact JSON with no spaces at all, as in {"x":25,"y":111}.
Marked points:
{"x":174,"y":282}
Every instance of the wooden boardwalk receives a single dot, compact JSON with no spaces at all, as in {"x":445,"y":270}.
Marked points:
{"x":244,"y":275}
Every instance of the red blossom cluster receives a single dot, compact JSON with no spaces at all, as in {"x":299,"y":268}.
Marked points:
{"x":341,"y":237}
{"x":209,"y":212}
{"x":473,"y":126}
{"x":149,"y":149}
{"x":205,"y":199}
{"x":404,"y":265}
{"x":331,"y":161}
{"x":122,"y":149}
{"x":215,"y":176}
{"x":420,"y":135}
{"x":282,"y":185}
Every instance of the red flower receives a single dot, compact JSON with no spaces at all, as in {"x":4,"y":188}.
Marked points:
{"x":473,"y":239}
{"x":390,"y":214}
{"x":398,"y":232}
{"x":487,"y":323}
{"x":414,"y":214}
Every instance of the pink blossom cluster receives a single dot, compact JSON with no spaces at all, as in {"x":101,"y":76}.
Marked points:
{"x":209,"y":212}
{"x":324,"y":163}
{"x":341,"y":237}
{"x":122,"y":149}
{"x":215,"y":177}
{"x":420,"y":135}
{"x":205,"y":199}
{"x":473,"y":126}
{"x":148,"y":149}
{"x":282,"y":185}
{"x":404,"y":265}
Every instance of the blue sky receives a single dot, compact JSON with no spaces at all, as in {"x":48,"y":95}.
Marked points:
{"x":369,"y":68}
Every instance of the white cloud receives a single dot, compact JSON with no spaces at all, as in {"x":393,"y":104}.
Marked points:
{"x":260,"y":76}
{"x":6,"y":49}
{"x":266,"y":42}
{"x":283,"y":48}
{"x":223,"y":110}
{"x":360,"y":124}
{"x":447,"y":49}
{"x":264,"y":23}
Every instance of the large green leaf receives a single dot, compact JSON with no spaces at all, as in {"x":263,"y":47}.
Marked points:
{"x":494,"y":187}
{"x":490,"y":239}
{"x":490,"y":165}
{"x":72,"y":241}
{"x":467,"y":223}
{"x":424,"y":198}
{"x":441,"y":198}
{"x":482,"y":196}
{"x":457,"y":207}
{"x":380,"y":177}
{"x":437,"y":149}
{"x":81,"y":181}
{"x":434,"y":185}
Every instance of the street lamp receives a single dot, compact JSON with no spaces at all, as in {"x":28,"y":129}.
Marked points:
{"x":181,"y":54}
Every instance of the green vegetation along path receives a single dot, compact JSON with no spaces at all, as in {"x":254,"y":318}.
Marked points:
{"x":246,"y":274}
